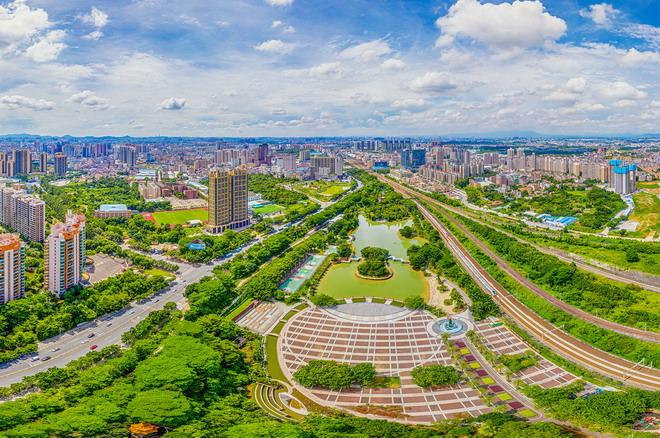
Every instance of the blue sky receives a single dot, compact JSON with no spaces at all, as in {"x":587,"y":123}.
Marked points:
{"x":298,"y":67}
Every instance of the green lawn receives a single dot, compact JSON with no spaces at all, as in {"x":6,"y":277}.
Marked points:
{"x":323,"y":190}
{"x":237,"y":311}
{"x":274,"y":368}
{"x":156,"y":271}
{"x":341,"y":282}
{"x":268,"y":209}
{"x":180,"y":217}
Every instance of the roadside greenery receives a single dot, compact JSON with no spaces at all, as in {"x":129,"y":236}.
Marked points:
{"x":608,"y":411}
{"x":40,"y":316}
{"x":627,"y":305}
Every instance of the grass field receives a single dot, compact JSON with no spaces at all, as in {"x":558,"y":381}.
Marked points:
{"x":156,"y":271}
{"x":649,"y":185}
{"x":268,"y":209}
{"x":646,"y":212}
{"x":324,"y":190}
{"x":180,"y":217}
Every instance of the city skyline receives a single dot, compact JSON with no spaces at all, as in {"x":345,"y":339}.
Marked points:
{"x":290,"y":68}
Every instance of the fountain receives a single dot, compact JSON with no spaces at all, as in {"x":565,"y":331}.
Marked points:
{"x":449,"y":326}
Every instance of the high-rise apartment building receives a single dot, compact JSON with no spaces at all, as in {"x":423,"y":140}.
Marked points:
{"x":12,"y":268}
{"x":65,"y":254}
{"x":325,"y":167}
{"x":60,"y":164}
{"x":623,"y":178}
{"x":228,"y":200}
{"x":23,"y":213}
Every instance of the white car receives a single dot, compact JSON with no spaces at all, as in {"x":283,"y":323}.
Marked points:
{"x":55,"y":349}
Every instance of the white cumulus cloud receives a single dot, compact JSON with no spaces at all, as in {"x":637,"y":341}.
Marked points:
{"x":90,"y":100}
{"x":369,"y":51}
{"x":274,"y":46}
{"x":393,"y":64}
{"x":521,"y":24}
{"x":96,"y":18}
{"x":47,"y":48}
{"x":19,"y":23}
{"x":601,"y":13}
{"x":17,"y":102}
{"x":432,"y":82}
{"x":173,"y":103}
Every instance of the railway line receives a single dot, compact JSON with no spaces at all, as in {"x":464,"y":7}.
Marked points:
{"x":633,"y":374}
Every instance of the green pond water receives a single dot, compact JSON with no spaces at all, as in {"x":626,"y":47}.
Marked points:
{"x":341,"y":282}
{"x":384,"y":235}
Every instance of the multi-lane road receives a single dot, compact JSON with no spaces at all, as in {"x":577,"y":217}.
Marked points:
{"x":108,"y":329}
{"x":634,"y":374}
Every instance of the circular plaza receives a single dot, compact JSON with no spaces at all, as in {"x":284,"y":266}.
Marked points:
{"x":392,"y":338}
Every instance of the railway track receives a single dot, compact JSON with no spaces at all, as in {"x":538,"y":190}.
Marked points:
{"x":632,"y":374}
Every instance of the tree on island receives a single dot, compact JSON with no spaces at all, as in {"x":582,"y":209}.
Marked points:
{"x":344,"y":250}
{"x":374,"y":262}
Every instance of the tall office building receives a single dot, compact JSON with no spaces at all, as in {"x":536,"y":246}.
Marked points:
{"x":22,"y":161}
{"x":228,"y":200}
{"x":12,"y":268}
{"x":65,"y":253}
{"x":43,"y":162}
{"x":262,"y":154}
{"x":60,"y":164}
{"x":23,"y":213}
{"x":127,"y":155}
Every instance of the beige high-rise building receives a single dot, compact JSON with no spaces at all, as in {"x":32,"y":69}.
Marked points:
{"x":12,"y":268}
{"x":65,"y":253}
{"x":23,"y":213}
{"x":228,"y":200}
{"x":43,"y":163}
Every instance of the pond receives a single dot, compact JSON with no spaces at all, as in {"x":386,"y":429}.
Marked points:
{"x":384,"y":235}
{"x":340,"y":281}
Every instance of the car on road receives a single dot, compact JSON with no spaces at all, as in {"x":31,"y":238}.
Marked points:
{"x":45,"y":358}
{"x":93,"y":347}
{"x":55,"y":349}
{"x":108,"y":324}
{"x":131,"y":312}
{"x":34,"y":359}
{"x":91,"y":335}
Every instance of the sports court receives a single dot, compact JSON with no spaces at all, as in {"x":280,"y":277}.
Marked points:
{"x":293,"y":283}
{"x":395,"y":340}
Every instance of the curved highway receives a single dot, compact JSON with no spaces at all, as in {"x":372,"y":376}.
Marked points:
{"x":634,"y":374}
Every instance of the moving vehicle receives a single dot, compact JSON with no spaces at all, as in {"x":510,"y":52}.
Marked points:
{"x":91,"y":335}
{"x":45,"y":358}
{"x":93,"y":347}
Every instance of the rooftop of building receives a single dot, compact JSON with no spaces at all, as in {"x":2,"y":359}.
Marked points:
{"x":112,"y":207}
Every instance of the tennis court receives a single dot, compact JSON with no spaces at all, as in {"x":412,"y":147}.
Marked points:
{"x":293,"y":283}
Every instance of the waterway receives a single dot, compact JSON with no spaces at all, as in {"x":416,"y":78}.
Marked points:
{"x":384,"y":235}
